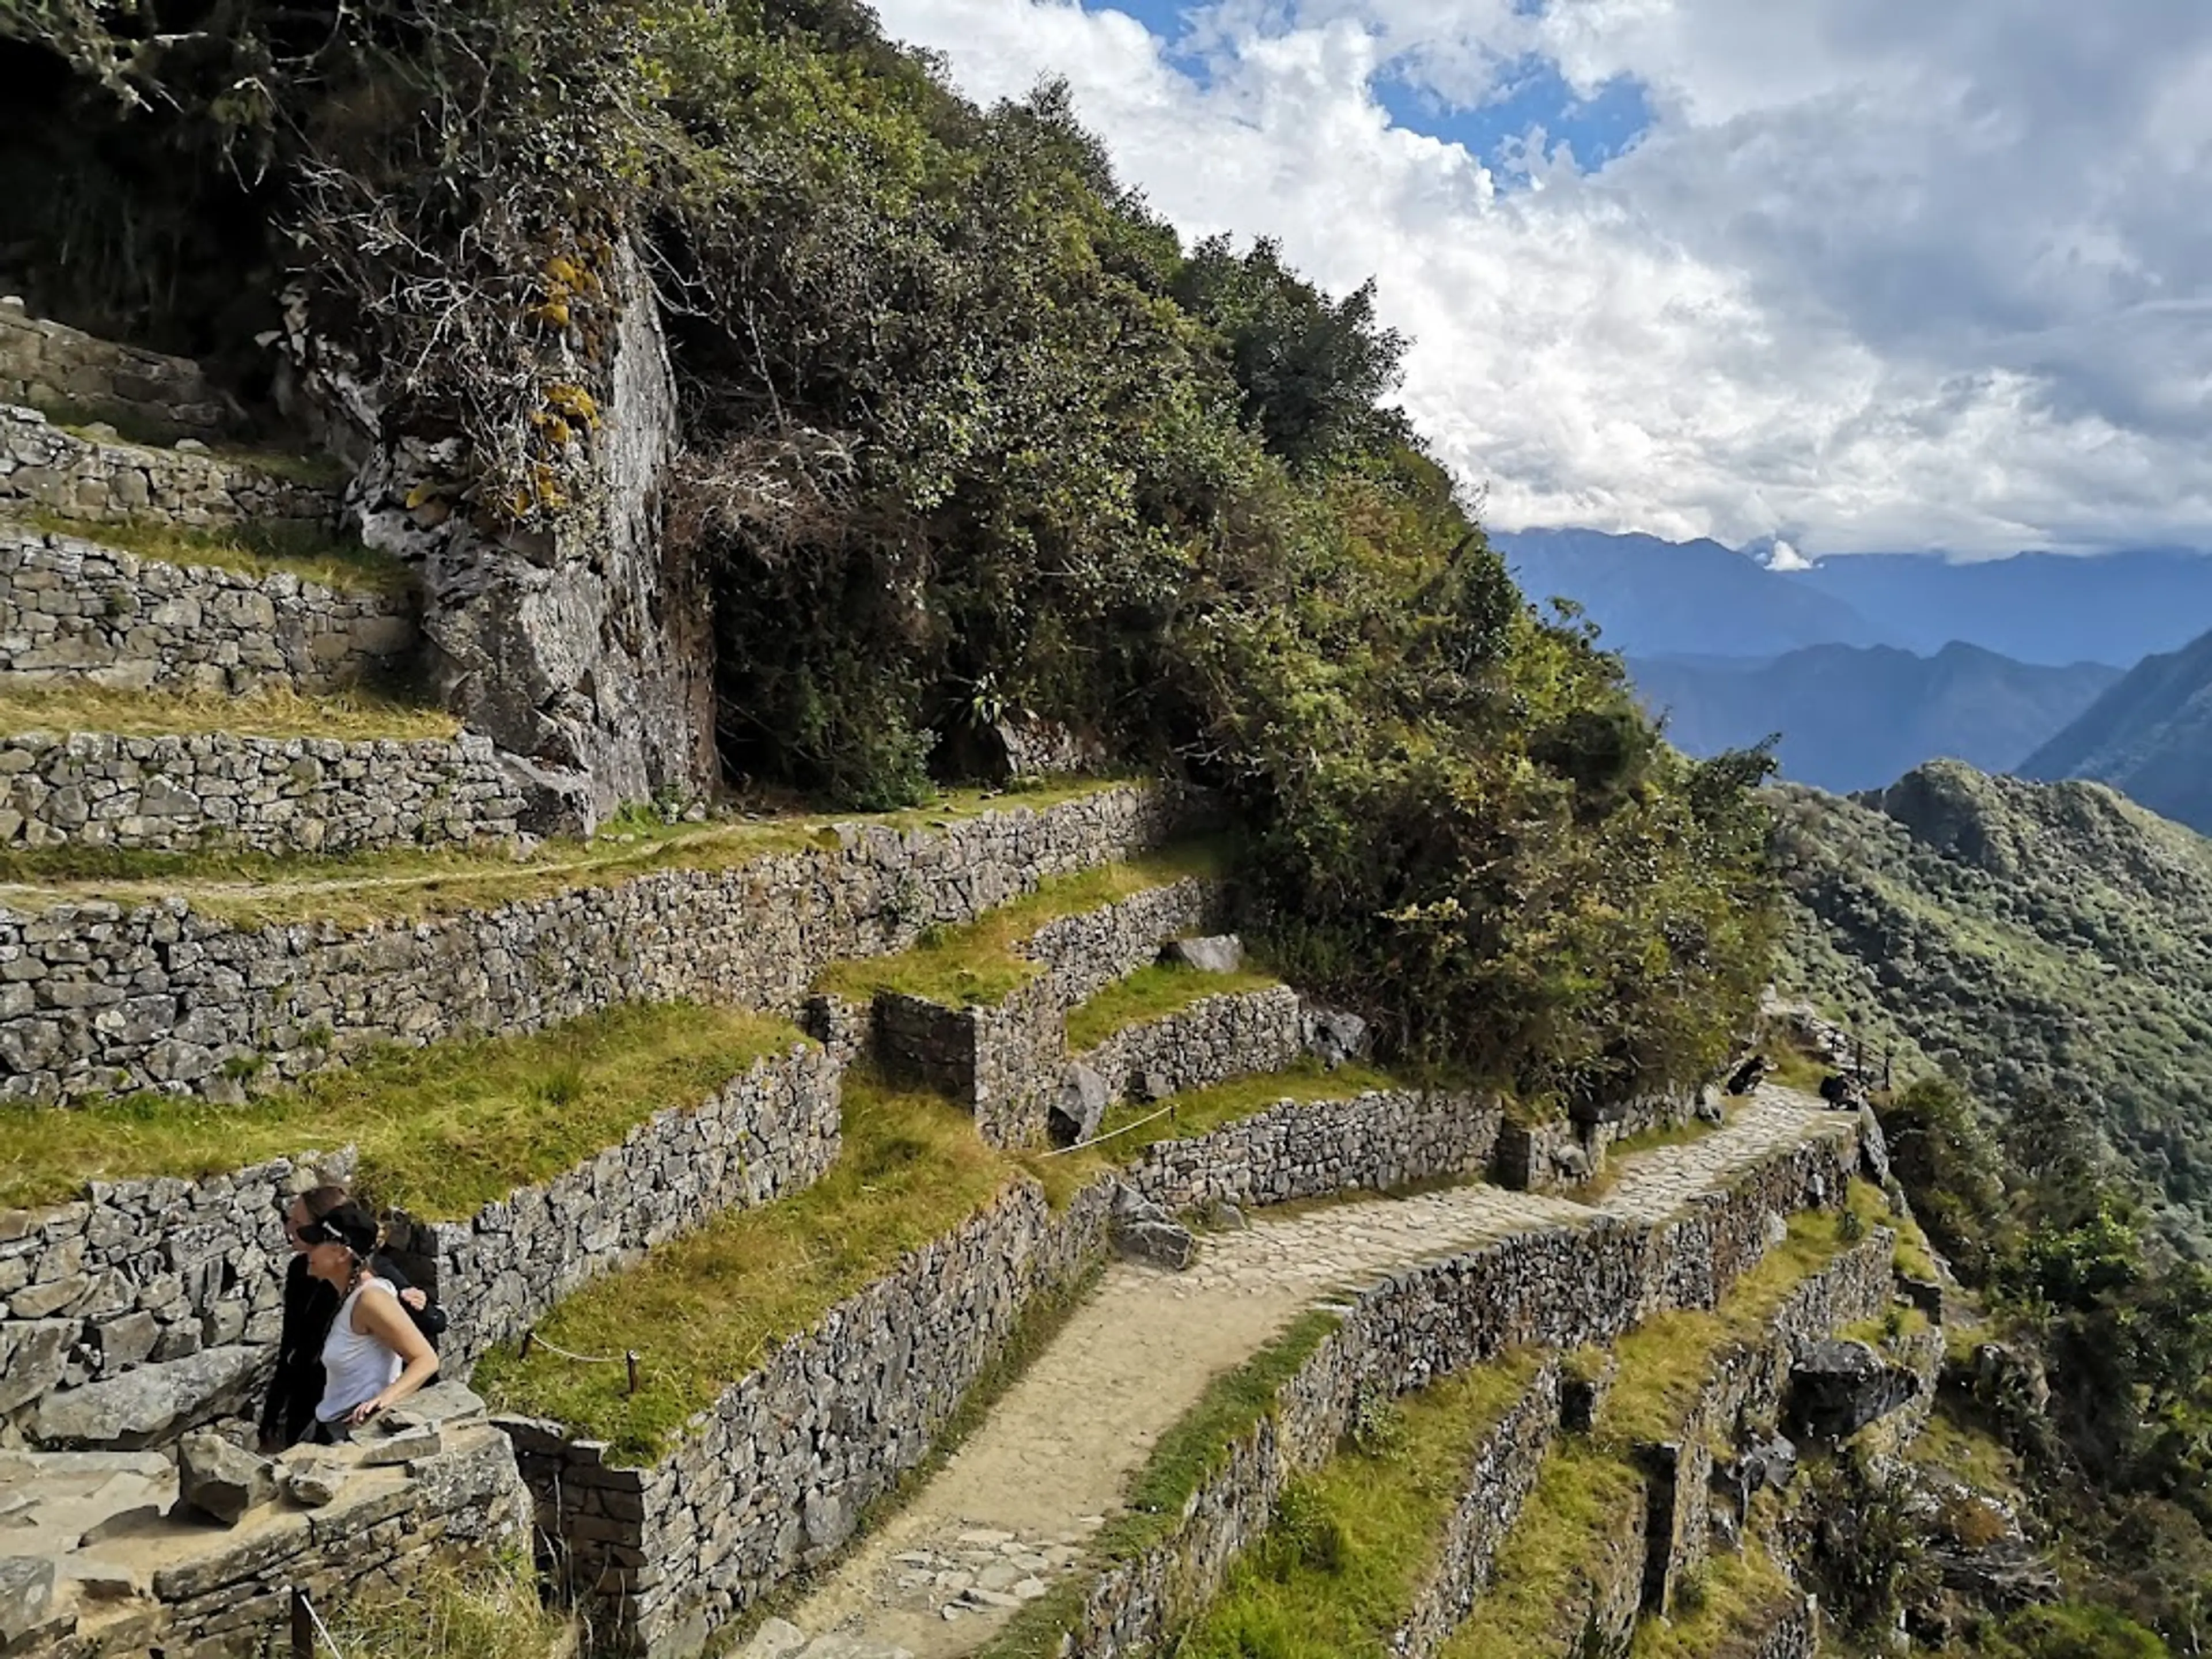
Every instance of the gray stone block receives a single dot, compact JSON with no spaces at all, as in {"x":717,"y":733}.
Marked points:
{"x":220,"y":1480}
{"x":149,"y":1407}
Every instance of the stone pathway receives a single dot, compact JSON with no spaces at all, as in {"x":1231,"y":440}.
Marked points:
{"x":1011,"y":1511}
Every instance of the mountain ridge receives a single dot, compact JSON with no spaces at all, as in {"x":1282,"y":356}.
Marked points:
{"x":2149,"y":735}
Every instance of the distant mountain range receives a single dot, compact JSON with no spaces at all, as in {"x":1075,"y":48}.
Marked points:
{"x":1652,"y":597}
{"x":2149,"y":735}
{"x":1854,"y":718}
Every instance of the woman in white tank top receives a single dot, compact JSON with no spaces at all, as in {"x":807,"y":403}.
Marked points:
{"x":374,"y":1356}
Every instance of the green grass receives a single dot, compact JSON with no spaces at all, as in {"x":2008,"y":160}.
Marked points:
{"x":706,"y":1309}
{"x":1180,"y":1462}
{"x":976,"y":965}
{"x":409,"y":884}
{"x":1584,"y":1499}
{"x":350,"y":716}
{"x":1733,"y":1600}
{"x":448,"y":1614}
{"x":1337,"y":1571}
{"x":1153,"y":993}
{"x":441,"y":1130}
{"x":308,"y":551}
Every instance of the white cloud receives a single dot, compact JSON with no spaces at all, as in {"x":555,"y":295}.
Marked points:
{"x":1882,"y":273}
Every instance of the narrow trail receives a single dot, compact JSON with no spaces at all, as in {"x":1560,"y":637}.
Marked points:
{"x":1012,"y":1509}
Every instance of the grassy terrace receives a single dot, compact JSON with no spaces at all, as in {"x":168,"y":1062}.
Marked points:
{"x":1152,"y":993}
{"x":1338,"y":1571}
{"x":353,"y":716}
{"x":706,"y":1309}
{"x":306,"y":551}
{"x":1589,"y":1485}
{"x":976,"y":965}
{"x":408,"y":884}
{"x":1735,"y":1596}
{"x":441,"y":1131}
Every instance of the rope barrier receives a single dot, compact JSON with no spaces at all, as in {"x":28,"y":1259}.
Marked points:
{"x":1062,"y":1151}
{"x":531,"y":1339}
{"x":303,"y":1645}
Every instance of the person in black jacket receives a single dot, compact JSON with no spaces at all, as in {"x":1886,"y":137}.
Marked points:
{"x":289,"y":1412}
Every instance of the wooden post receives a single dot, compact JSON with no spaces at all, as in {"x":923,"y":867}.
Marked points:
{"x":528,"y":1337}
{"x":303,"y":1625}
{"x":630,"y":1359}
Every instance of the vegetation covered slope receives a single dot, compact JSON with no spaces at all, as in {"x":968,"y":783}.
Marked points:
{"x":968,"y":432}
{"x":1854,"y":719}
{"x":2149,"y":736}
{"x":2035,"y":940}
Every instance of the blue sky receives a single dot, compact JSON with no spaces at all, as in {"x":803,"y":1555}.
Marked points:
{"x":1865,"y":274}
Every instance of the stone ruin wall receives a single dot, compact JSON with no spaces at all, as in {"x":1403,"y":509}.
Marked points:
{"x":1560,"y":1288}
{"x":157,"y":997}
{"x":75,"y":613}
{"x":101,"y":1297}
{"x":1212,"y":1040}
{"x":45,"y":467}
{"x":48,"y":365}
{"x":772,"y":1478}
{"x":275,"y":795}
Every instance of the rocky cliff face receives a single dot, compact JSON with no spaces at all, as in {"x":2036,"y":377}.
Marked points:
{"x":586,"y":650}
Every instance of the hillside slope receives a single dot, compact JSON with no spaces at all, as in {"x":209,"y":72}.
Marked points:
{"x":2026,"y":937}
{"x":1854,"y":719}
{"x":2149,"y":736}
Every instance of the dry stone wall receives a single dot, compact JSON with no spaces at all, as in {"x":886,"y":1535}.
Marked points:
{"x":1004,"y":1059}
{"x":158,"y":997}
{"x":107,"y":480}
{"x":72,"y":609}
{"x":1499,"y":1478}
{"x":1560,"y":1289}
{"x":1377,"y":1140}
{"x":773,"y":1478}
{"x":48,"y":365}
{"x":1212,"y":1040}
{"x":173,"y":795}
{"x":110,"y":1291}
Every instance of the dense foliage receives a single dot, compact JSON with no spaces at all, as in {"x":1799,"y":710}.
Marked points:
{"x":969,"y":436}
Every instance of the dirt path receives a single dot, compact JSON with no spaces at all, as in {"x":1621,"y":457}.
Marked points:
{"x":1012,"y":1509}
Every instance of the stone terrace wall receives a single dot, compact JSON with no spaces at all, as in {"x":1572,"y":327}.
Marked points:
{"x":163,"y":1270}
{"x":1377,"y":1141}
{"x":774,"y":1478}
{"x":43,"y":466}
{"x":1003,"y":1059}
{"x":173,"y":795}
{"x":72,"y":609}
{"x":1746,"y":1388}
{"x":46,"y":364}
{"x":158,"y":997}
{"x":1557,"y":1288}
{"x":1499,"y":1481}
{"x":1211,"y":1040}
{"x":1792,"y":1631}
{"x":459,"y":1505}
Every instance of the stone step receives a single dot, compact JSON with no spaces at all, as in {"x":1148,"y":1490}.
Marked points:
{"x":93,"y":474}
{"x":73,"y":608}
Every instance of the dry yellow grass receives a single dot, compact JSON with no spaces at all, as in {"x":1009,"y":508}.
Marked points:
{"x":274,"y":712}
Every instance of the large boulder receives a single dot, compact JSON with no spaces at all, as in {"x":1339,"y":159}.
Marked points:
{"x":220,"y":1480}
{"x":1836,"y":1387}
{"x":1141,"y":1231}
{"x":34,"y":1353}
{"x":1215,"y":953}
{"x":150,"y":1406}
{"x":1078,"y":1107}
{"x":1333,"y":1036}
{"x":27,"y":1592}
